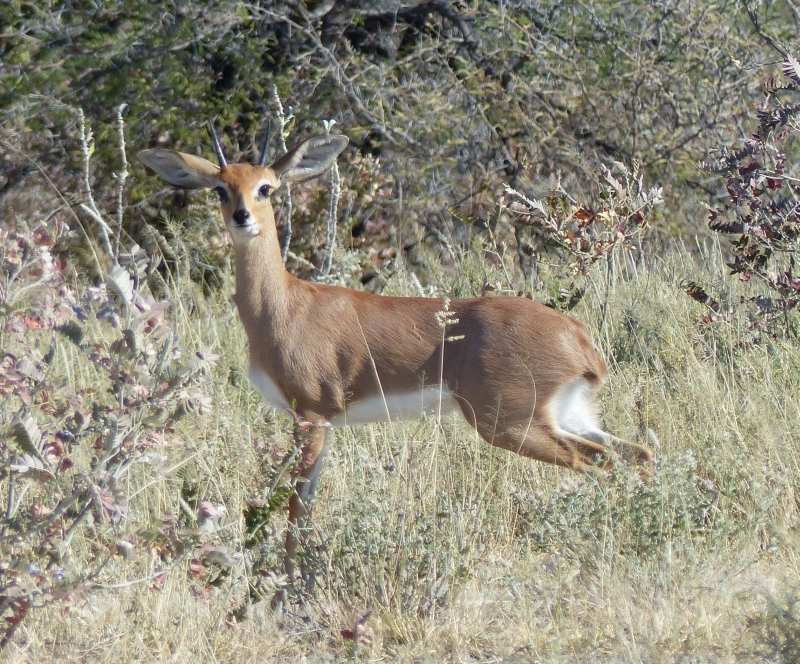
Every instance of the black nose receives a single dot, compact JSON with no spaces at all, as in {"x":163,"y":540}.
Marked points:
{"x":241,"y":216}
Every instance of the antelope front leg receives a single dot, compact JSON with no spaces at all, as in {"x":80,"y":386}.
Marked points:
{"x":306,"y":476}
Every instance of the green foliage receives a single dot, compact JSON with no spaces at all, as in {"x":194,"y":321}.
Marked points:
{"x":629,"y":517}
{"x":473,"y":93}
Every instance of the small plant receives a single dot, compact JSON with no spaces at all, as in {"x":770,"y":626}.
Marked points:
{"x":762,"y":208}
{"x":642,"y":519}
{"x":583,"y":234}
{"x":92,"y":381}
{"x":777,"y":629}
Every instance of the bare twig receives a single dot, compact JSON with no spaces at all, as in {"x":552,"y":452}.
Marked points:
{"x":144,"y":579}
{"x":299,"y":259}
{"x":284,"y":118}
{"x":84,"y":512}
{"x":122,"y":175}
{"x":336,"y":192}
{"x":87,"y":148}
{"x":753,"y":16}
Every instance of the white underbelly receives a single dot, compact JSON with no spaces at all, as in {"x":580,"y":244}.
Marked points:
{"x":266,"y":387}
{"x":404,"y":406}
{"x":380,"y":408}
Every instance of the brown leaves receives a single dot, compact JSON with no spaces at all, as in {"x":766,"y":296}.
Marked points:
{"x":698,"y":293}
{"x":588,"y":233}
{"x":761,"y":208}
{"x":197,"y":569}
{"x":360,"y":634}
{"x":791,"y":68}
{"x":19,"y":609}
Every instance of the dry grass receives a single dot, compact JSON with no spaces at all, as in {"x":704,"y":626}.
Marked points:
{"x":467,"y":553}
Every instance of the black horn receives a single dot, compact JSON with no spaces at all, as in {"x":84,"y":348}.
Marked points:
{"x":262,"y":160}
{"x":217,"y":148}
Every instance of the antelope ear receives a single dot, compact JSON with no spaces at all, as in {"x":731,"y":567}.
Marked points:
{"x":181,"y":170}
{"x":310,"y":158}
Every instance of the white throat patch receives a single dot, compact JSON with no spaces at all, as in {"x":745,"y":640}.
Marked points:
{"x":268,"y":389}
{"x":241,"y":236}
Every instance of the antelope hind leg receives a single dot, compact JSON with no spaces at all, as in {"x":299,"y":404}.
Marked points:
{"x":634,"y":453}
{"x":561,"y":448}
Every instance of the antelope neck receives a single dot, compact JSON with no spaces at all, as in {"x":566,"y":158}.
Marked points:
{"x":262,"y":283}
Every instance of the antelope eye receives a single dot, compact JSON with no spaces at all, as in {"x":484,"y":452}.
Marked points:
{"x":223,"y":195}
{"x":264,"y":190}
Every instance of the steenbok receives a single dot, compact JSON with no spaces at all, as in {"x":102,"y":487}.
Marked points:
{"x":523,"y":375}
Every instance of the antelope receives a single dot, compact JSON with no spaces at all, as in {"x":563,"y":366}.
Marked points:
{"x":523,"y":375}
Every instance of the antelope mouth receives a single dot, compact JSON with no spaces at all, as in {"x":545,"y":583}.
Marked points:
{"x":247,"y":228}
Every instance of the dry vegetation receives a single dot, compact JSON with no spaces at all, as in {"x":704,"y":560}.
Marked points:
{"x":461,"y":551}
{"x":142,"y":481}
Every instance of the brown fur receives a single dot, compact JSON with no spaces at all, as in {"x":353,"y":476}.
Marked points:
{"x":326,"y":347}
{"x":318,"y":344}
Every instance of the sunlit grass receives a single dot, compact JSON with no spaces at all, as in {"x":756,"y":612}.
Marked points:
{"x":465,"y":552}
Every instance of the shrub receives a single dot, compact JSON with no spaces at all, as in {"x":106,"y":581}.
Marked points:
{"x":580,"y":235}
{"x":762,"y":210}
{"x":93,"y":380}
{"x":777,"y":629}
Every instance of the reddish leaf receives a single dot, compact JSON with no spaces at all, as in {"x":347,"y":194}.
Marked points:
{"x":197,"y":568}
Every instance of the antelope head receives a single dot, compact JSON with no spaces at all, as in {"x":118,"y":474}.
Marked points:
{"x":244,"y":189}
